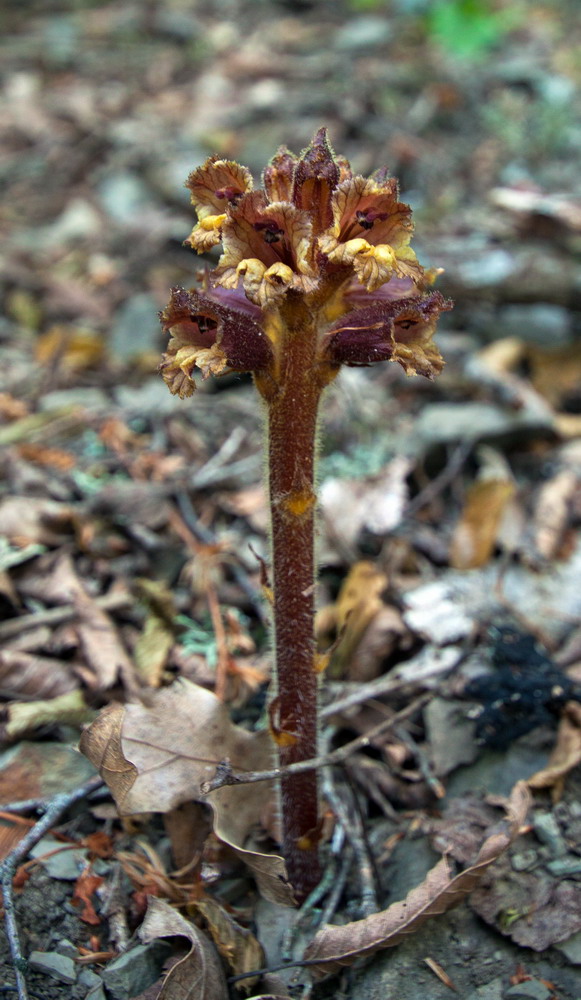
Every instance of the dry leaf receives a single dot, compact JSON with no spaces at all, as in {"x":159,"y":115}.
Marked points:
{"x":440,"y":973}
{"x":566,"y":753}
{"x":51,"y":458}
{"x":336,"y":946}
{"x":198,"y":976}
{"x":555,"y":373}
{"x":86,"y":884}
{"x":375,"y":503}
{"x":553,"y":512}
{"x":22,"y":674}
{"x":368,"y":630}
{"x":72,"y":348}
{"x":98,"y":637}
{"x":156,"y":756}
{"x":476,"y":533}
{"x":237,"y":945}
{"x":530,"y":204}
{"x":25,"y":520}
{"x":157,"y":638}
{"x":68,"y":709}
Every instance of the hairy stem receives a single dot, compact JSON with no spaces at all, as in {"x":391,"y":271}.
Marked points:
{"x":292,"y":427}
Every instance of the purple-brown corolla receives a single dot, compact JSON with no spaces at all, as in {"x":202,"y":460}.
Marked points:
{"x":316,"y":272}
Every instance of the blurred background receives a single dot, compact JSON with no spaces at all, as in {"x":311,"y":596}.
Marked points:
{"x":106,"y":108}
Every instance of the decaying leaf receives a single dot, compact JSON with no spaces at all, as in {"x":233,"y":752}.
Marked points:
{"x":236,"y":944}
{"x":566,"y":753}
{"x":336,"y":946}
{"x":24,"y":716}
{"x":156,"y":756}
{"x":157,"y":638}
{"x":533,"y":908}
{"x":199,"y":976}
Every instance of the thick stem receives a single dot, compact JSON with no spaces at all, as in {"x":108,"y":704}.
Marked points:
{"x":292,"y":445}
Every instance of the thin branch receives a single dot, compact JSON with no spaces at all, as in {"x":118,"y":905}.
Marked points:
{"x":54,"y":810}
{"x":421,"y":670}
{"x":56,"y":616}
{"x":441,"y":481}
{"x":209,"y":538}
{"x":226,"y":776}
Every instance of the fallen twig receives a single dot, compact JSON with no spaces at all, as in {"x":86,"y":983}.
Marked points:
{"x":56,"y":616}
{"x":54,"y":809}
{"x":225,"y":775}
{"x":208,"y":537}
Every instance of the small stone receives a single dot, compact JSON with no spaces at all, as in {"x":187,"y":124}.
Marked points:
{"x":489,"y":268}
{"x":78,"y":221}
{"x":124,"y":197}
{"x":571,"y":948}
{"x":540,"y":324}
{"x":523,"y":861}
{"x":547,"y":831}
{"x":66,"y":947}
{"x":444,"y":423}
{"x":150,"y":397}
{"x":97,"y":993}
{"x":135,"y":970}
{"x":432,"y":612}
{"x":450,"y":736}
{"x":60,"y":967}
{"x":531,"y":989}
{"x":568,"y":865}
{"x":66,"y":865}
{"x":136,"y":328}
{"x":89,"y":979}
{"x":363,"y":33}
{"x":88,"y":398}
{"x":490,"y":991}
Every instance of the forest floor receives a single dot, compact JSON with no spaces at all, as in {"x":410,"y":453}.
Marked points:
{"x":131,"y":520}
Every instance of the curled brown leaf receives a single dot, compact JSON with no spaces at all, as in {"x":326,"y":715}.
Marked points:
{"x":198,"y":976}
{"x":336,"y":946}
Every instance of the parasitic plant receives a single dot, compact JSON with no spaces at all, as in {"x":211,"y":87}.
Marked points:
{"x":316,"y":272}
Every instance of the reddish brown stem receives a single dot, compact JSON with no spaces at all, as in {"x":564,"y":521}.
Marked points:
{"x":292,"y":443}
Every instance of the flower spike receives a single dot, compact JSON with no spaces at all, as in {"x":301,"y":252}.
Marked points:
{"x":316,"y":272}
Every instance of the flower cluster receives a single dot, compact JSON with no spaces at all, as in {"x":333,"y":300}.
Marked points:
{"x":315,"y":244}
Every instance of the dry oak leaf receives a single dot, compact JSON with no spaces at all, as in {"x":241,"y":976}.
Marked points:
{"x":156,"y":756}
{"x":335,"y":946}
{"x":198,"y":976}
